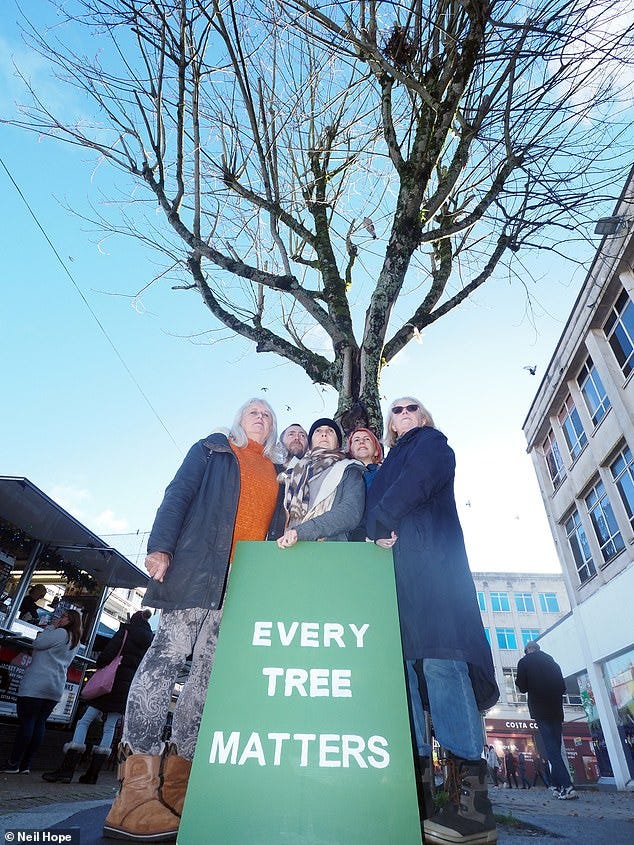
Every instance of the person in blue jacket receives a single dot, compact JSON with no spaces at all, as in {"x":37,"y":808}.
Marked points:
{"x":411,"y":509}
{"x":226,"y":490}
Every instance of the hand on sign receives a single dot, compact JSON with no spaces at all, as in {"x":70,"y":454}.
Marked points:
{"x":387,"y":542}
{"x":288,"y":539}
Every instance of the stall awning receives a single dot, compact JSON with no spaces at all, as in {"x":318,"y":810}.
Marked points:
{"x":26,"y":507}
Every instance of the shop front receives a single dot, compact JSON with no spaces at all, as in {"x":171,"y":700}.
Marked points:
{"x":50,"y":562}
{"x":522,"y":736}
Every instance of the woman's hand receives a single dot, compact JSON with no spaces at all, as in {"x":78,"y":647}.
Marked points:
{"x":157,"y":564}
{"x":387,"y":542}
{"x":288,"y":539}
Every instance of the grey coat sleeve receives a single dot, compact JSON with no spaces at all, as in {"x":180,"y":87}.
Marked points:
{"x":346,"y":511}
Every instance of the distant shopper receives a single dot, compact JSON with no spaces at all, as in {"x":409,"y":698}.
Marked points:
{"x":521,"y":768}
{"x":511,"y":769}
{"x":138,"y":638}
{"x":29,"y":607}
{"x":493,"y":762}
{"x":42,"y":686}
{"x":541,"y":771}
{"x":541,"y":677}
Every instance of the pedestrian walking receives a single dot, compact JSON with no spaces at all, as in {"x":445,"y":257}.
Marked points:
{"x":511,"y":769}
{"x":541,"y":677}
{"x":521,"y":768}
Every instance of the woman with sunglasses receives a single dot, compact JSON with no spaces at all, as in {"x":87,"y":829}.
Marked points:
{"x":42,"y":686}
{"x":411,"y":509}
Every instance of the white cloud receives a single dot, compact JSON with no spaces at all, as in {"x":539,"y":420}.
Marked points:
{"x":107,"y":522}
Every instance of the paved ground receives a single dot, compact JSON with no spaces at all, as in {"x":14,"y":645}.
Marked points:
{"x":598,"y":817}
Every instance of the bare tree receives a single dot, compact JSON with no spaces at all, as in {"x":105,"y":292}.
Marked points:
{"x":334,"y":177}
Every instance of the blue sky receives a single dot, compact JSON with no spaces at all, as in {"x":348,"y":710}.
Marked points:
{"x":76,"y":425}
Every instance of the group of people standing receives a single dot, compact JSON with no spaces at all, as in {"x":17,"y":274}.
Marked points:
{"x":237,"y":485}
{"x":242,"y":483}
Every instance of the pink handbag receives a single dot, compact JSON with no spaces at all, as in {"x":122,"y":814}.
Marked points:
{"x":102,"y":680}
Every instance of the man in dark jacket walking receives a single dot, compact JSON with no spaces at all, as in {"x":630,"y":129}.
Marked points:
{"x":540,"y":676}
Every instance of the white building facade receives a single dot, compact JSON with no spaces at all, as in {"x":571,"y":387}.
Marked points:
{"x":580,"y":435}
{"x":517,"y":607}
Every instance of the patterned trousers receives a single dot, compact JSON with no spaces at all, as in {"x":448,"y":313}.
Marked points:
{"x":180,"y":633}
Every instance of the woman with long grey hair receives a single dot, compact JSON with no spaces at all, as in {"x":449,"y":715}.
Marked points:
{"x":226,"y":490}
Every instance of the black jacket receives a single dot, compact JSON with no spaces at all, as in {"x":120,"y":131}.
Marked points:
{"x":137,"y":642}
{"x":194,"y":524}
{"x":541,"y":678}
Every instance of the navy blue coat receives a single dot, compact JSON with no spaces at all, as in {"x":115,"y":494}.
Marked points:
{"x":412,"y":494}
{"x":194,"y":524}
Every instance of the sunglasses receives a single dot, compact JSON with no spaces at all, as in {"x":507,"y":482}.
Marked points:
{"x":398,"y":409}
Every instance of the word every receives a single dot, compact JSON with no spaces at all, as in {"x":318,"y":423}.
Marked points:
{"x":307,"y":749}
{"x":311,"y":634}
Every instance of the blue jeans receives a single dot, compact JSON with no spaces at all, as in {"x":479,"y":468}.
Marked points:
{"x":81,"y":729}
{"x":418,"y":714}
{"x":454,"y":712}
{"x":550,"y":731}
{"x":32,"y":715}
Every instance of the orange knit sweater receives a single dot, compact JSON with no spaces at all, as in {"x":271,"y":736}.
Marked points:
{"x":258,"y":493}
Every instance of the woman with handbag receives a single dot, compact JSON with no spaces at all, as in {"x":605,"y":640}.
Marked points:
{"x":122,"y":654}
{"x":42,"y":686}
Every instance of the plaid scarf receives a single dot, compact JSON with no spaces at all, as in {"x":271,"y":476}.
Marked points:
{"x":296,"y":480}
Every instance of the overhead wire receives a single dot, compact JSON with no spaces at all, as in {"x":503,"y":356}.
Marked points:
{"x":89,"y":307}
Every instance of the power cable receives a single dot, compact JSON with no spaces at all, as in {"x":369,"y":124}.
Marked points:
{"x":89,"y":307}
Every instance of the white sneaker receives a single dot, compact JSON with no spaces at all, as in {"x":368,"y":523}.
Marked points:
{"x":11,"y":770}
{"x":554,"y":791}
{"x":567,"y":793}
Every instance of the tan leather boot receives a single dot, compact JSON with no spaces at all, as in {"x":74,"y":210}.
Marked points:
{"x":175,"y":776}
{"x":138,"y":814}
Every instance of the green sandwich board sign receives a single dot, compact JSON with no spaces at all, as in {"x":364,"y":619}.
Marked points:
{"x":305,"y":735}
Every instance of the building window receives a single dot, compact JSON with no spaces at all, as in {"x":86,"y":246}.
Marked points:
{"x":579,"y":547}
{"x":524,"y":602}
{"x":487,"y":634}
{"x":593,"y":391}
{"x":572,"y":428}
{"x":603,"y":522}
{"x":572,"y":696}
{"x":623,"y":474}
{"x":500,"y":602}
{"x":506,"y":638}
{"x":513,"y":695}
{"x":529,"y":634}
{"x":553,"y":459}
{"x":619,"y":330}
{"x":481,"y":601}
{"x":548,"y":602}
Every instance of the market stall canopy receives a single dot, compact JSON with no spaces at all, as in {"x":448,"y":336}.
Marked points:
{"x":29,"y":509}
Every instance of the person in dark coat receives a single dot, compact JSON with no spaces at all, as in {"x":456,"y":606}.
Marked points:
{"x":226,"y":490}
{"x":138,"y":638}
{"x":411,"y":509}
{"x":511,"y":769}
{"x":541,"y":677}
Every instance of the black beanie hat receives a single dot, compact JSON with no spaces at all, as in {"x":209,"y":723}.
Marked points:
{"x":331,"y":424}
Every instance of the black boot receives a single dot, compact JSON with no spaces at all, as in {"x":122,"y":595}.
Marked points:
{"x":468,"y":818}
{"x":66,"y":770}
{"x":98,"y":758}
{"x":424,"y":775}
